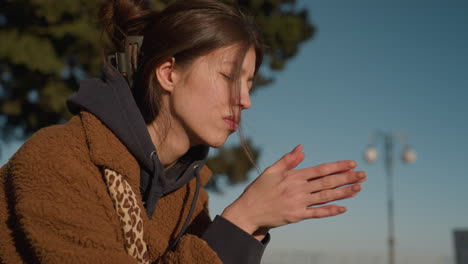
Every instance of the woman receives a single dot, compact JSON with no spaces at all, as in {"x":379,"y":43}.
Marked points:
{"x":121,"y":182}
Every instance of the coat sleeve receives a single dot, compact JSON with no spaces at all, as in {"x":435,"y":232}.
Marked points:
{"x":223,"y":242}
{"x":215,"y":242}
{"x":232,"y":244}
{"x":59,"y":217}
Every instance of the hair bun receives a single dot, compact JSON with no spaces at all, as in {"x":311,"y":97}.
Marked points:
{"x":121,"y":18}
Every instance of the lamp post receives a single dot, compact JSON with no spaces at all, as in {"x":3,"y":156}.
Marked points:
{"x":408,"y":156}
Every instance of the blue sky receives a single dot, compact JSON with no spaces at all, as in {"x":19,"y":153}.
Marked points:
{"x":395,"y":66}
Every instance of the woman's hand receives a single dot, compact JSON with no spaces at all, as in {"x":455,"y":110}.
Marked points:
{"x":283,"y":195}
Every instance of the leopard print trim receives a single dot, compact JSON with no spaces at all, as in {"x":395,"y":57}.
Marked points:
{"x":129,"y":213}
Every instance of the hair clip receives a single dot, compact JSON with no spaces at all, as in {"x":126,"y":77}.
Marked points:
{"x":126,"y":62}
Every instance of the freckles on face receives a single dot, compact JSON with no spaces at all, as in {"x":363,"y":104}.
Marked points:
{"x":202,"y":103}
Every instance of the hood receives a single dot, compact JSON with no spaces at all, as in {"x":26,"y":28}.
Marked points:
{"x":111,"y":101}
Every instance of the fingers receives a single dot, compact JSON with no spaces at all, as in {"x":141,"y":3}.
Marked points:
{"x":326,"y":196}
{"x":288,"y":161}
{"x":325,"y":169}
{"x":336,"y":180}
{"x":344,"y":198}
{"x":324,"y":211}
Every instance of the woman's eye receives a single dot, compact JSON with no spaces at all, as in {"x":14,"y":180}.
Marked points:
{"x":227,"y":77}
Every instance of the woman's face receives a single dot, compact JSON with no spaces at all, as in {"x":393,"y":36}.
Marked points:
{"x":203,"y":104}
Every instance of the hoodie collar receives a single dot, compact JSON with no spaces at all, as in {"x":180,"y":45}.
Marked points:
{"x":111,"y":101}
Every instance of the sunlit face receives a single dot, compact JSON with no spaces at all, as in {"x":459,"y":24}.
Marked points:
{"x":203,"y":103}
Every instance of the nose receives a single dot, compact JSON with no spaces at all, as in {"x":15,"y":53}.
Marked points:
{"x":245,"y":102}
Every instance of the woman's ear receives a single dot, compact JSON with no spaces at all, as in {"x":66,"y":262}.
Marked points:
{"x":166,"y":75}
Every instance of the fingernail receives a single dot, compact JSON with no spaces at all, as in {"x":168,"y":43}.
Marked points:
{"x":360,"y":175}
{"x":295,"y":148}
{"x":353,"y":163}
{"x":342,"y":209}
{"x":356,"y":188}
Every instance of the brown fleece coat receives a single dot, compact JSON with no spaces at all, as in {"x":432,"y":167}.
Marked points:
{"x":55,"y":207}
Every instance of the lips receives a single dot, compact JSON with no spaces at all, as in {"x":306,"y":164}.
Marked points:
{"x":232,"y":123}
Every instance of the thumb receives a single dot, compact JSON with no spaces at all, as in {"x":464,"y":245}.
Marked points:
{"x":288,"y":161}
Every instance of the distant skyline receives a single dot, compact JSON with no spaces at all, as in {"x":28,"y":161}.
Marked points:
{"x":397,"y":66}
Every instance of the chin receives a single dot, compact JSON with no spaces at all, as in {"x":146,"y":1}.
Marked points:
{"x":216,"y":142}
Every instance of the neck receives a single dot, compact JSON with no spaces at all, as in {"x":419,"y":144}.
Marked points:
{"x":170,"y":143}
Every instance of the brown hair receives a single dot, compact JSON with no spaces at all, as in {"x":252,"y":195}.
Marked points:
{"x":184,"y":30}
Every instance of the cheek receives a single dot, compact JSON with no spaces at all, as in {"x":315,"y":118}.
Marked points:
{"x":197,"y":105}
{"x":206,"y":95}
{"x":201,"y":103}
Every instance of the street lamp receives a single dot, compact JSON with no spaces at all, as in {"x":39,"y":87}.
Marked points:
{"x":408,"y":156}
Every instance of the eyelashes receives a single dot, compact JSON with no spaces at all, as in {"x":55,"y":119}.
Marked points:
{"x":227,"y":77}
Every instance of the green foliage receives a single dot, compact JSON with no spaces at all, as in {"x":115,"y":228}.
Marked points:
{"x":40,"y":39}
{"x":283,"y":28}
{"x":232,"y":162}
{"x":32,"y":51}
{"x":44,"y":45}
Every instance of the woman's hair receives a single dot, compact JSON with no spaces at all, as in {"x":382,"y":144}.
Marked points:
{"x":184,"y":30}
